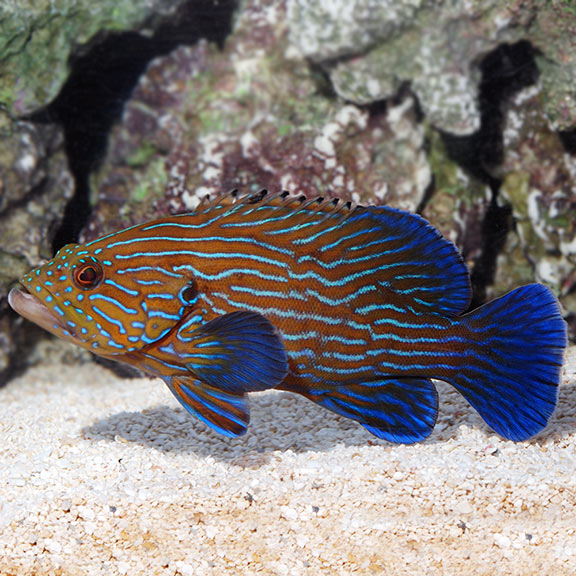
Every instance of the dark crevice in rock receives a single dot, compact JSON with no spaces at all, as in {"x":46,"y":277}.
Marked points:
{"x":427,"y":196}
{"x":498,"y":221}
{"x":568,"y":138}
{"x":505,"y":71}
{"x":102,"y":77}
{"x":323,"y":82}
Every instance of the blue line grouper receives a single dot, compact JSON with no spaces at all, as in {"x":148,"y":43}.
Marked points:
{"x":356,"y":308}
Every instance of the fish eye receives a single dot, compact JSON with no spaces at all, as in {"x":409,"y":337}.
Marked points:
{"x":88,"y":276}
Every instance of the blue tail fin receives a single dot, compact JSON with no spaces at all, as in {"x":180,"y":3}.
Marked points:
{"x":512,"y":377}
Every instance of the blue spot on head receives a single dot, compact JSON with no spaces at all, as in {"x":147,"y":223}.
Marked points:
{"x":80,"y":297}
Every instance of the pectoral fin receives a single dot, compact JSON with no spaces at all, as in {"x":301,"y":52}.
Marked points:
{"x":226,"y":412}
{"x":238,"y":352}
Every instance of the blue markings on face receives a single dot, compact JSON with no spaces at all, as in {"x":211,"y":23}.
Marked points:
{"x":162,"y":314}
{"x":114,"y":302}
{"x":120,"y":287}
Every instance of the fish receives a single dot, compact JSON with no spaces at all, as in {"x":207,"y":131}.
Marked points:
{"x":357,"y":308}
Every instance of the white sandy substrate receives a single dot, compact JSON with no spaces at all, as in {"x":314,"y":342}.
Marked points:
{"x":106,"y":476}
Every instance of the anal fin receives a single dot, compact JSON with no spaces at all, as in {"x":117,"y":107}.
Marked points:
{"x":225,"y":411}
{"x":402,"y":410}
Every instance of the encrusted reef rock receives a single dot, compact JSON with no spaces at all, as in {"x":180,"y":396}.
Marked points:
{"x":371,"y":47}
{"x":66,"y":69}
{"x":255,"y":115}
{"x":460,"y":110}
{"x":539,"y":180}
{"x":34,"y":186}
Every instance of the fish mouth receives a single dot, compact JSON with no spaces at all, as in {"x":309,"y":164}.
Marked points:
{"x":33,"y":309}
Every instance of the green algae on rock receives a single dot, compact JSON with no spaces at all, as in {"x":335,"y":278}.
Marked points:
{"x":37,"y":37}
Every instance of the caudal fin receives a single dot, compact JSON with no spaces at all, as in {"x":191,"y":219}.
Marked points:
{"x":511,"y":378}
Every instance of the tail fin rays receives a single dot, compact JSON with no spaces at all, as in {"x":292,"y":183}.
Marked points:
{"x":512,"y":379}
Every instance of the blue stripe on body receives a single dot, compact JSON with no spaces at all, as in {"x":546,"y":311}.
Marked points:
{"x":230,"y":272}
{"x":206,"y":239}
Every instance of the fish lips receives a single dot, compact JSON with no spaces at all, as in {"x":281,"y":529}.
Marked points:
{"x":33,"y":309}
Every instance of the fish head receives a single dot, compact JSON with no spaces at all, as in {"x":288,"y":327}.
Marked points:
{"x":81,"y":296}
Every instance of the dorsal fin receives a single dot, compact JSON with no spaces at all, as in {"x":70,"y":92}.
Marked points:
{"x":236,"y":201}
